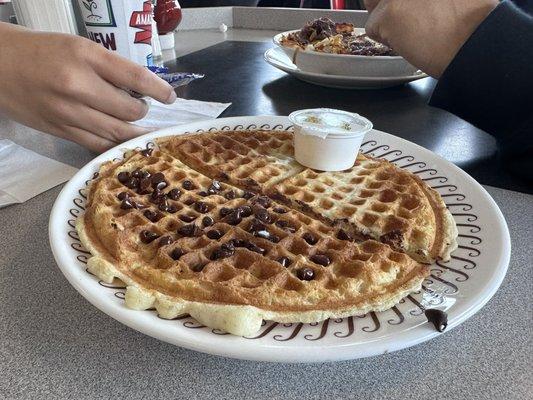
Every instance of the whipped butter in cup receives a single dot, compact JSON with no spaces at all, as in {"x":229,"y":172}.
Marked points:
{"x":327,"y":139}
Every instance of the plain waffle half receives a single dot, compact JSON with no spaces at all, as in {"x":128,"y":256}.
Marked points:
{"x":184,"y":243}
{"x":253,"y":161}
{"x":377,"y":199}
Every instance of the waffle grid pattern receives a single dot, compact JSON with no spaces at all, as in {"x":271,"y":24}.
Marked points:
{"x":340,"y":271}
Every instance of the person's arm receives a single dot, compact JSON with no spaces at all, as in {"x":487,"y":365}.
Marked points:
{"x":489,"y":83}
{"x":481,"y":51}
{"x":72,"y":88}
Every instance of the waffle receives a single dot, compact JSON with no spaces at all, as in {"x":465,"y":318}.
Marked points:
{"x":185,"y":244}
{"x":251,"y":161}
{"x":374,"y":198}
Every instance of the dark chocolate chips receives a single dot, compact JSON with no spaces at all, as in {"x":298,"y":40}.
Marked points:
{"x":153,"y":216}
{"x":225,"y":251}
{"x":165,"y":241}
{"x":255,"y":248}
{"x":123,"y":195}
{"x":127,"y":204}
{"x":176,"y":253}
{"x":285,"y":226}
{"x":263,"y":215}
{"x":256,"y":226}
{"x":321,"y":259}
{"x":343,"y":235}
{"x":214,"y":188}
{"x":190,"y":230}
{"x":207,"y":221}
{"x":264,"y":234}
{"x":160,"y":185}
{"x":187,"y":185}
{"x":187,"y":218}
{"x":156,"y":178}
{"x":201,"y":207}
{"x":235,"y":218}
{"x":305,"y":274}
{"x":123,"y":177}
{"x":132,"y":183}
{"x":230,"y":195}
{"x":225,"y":211}
{"x":309,"y":238}
{"x":438,"y":318}
{"x":144,"y":186}
{"x":284,"y":261}
{"x":148,"y":237}
{"x":174,"y":194}
{"x":279,"y":210}
{"x":214,"y":234}
{"x":246,"y":211}
{"x":263,"y":201}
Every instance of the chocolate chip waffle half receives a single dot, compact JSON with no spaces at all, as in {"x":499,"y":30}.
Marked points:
{"x":186,"y":244}
{"x":374,"y":198}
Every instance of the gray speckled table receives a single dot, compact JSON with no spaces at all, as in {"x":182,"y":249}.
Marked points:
{"x":54,"y":344}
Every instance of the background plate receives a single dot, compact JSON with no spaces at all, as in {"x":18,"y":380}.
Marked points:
{"x":278,"y":59}
{"x":461,"y":286}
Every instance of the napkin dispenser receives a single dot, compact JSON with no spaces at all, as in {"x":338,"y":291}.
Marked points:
{"x":50,"y":15}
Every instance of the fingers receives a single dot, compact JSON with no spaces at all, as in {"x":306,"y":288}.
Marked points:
{"x":104,"y":97}
{"x":374,"y":23}
{"x":126,"y":74}
{"x":84,"y":138}
{"x":371,"y":4}
{"x":106,"y":126}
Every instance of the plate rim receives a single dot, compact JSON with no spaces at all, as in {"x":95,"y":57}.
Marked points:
{"x":247,"y":350}
{"x":296,"y":71}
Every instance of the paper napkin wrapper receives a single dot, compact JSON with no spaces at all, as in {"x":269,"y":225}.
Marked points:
{"x":25,"y":174}
{"x":180,"y":112}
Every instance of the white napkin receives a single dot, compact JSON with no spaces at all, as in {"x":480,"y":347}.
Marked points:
{"x":182,"y":111}
{"x":25,"y":174}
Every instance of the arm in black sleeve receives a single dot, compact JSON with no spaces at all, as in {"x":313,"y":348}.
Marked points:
{"x":489,"y":83}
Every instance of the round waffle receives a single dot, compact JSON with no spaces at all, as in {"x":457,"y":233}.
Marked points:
{"x":185,"y":242}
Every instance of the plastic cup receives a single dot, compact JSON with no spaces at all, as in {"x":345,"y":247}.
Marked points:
{"x":124,"y":26}
{"x":326,"y":139}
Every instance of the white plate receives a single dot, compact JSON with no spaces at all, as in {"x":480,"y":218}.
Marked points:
{"x":278,"y":59}
{"x":461,"y":286}
{"x":345,"y":64}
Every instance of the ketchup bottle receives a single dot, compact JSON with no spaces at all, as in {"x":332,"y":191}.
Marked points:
{"x":167,"y":15}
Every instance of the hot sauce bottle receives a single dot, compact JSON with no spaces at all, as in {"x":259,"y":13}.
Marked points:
{"x":167,"y":14}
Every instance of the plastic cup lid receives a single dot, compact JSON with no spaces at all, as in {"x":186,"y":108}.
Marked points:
{"x":322,"y":122}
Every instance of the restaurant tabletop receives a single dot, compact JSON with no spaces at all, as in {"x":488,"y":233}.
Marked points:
{"x":55,"y":344}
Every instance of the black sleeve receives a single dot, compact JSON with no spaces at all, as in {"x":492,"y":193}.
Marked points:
{"x":490,"y":84}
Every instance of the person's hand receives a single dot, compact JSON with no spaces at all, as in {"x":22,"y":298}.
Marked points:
{"x":72,"y":88}
{"x":427,"y":33}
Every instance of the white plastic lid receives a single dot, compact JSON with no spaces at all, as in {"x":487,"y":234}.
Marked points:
{"x":322,"y":122}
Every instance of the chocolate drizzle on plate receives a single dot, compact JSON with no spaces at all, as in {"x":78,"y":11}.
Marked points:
{"x":438,"y":318}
